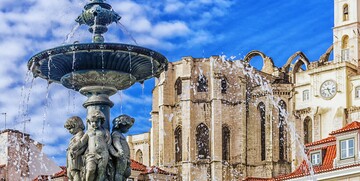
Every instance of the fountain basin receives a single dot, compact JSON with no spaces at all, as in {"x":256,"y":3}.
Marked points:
{"x":96,"y":64}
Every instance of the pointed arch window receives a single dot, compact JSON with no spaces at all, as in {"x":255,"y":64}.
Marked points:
{"x":345,"y":12}
{"x":224,"y":85}
{"x":202,"y":85}
{"x":139,"y":156}
{"x":178,"y":86}
{"x":345,"y":48}
{"x":307,"y":130}
{"x":202,"y":141}
{"x":282,"y":133}
{"x":178,"y":144}
{"x":261,"y":109}
{"x":225,"y":143}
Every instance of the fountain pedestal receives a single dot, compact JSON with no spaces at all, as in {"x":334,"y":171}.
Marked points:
{"x":98,"y":99}
{"x":98,"y":70}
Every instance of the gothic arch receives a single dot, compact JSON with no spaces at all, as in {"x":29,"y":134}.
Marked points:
{"x":302,"y":58}
{"x":261,"y":108}
{"x":325,"y":57}
{"x":226,"y":137}
{"x":178,"y":144}
{"x":307,"y":130}
{"x":282,"y":131}
{"x":178,"y":86}
{"x":268,"y":63}
{"x":139,"y":156}
{"x":203,"y":141}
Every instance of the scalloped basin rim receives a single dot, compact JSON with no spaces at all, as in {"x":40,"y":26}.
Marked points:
{"x":96,"y":46}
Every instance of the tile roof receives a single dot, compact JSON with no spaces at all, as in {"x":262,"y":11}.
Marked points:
{"x":325,"y":140}
{"x":134,"y":166}
{"x":352,"y":126}
{"x":329,"y":150}
{"x":329,"y":155}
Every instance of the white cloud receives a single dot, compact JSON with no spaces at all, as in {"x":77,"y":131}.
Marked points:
{"x":30,"y":26}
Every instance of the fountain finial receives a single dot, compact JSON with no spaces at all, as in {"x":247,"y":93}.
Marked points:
{"x":98,"y":15}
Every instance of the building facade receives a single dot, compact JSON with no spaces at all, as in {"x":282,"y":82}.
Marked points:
{"x":221,"y":120}
{"x":21,"y":157}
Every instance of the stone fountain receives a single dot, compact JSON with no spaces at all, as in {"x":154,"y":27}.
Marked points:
{"x":97,"y":70}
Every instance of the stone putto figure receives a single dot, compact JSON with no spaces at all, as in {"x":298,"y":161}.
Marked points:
{"x":121,"y":125}
{"x":74,"y":163}
{"x":97,"y":140}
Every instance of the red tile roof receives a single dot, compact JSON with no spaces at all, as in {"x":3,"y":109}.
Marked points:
{"x":352,"y":126}
{"x":134,"y":166}
{"x":137,"y":166}
{"x":325,"y":140}
{"x":328,"y":159}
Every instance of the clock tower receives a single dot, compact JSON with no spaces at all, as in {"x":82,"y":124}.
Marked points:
{"x":346,"y":31}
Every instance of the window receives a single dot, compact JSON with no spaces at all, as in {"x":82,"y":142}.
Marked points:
{"x":347,"y":148}
{"x":139,"y":156}
{"x":261,"y":109}
{"x":357,"y":92}
{"x":202,"y":141}
{"x":223,"y":85}
{"x":282,"y":138}
{"x":344,"y":48}
{"x":307,"y":130}
{"x":315,"y":158}
{"x":225,"y":143}
{"x":178,"y":86}
{"x":178,"y":144}
{"x":306,"y":95}
{"x":345,"y":12}
{"x":202,"y":85}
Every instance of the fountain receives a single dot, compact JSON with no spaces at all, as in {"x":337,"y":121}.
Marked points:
{"x":98,"y":69}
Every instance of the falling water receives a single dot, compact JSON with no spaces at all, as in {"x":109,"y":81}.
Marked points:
{"x":121,"y":101}
{"x":23,"y":96}
{"x":265,"y":86}
{"x":71,"y":34}
{"x":125,"y":30}
{"x":94,"y":28}
{"x":152,"y":63}
{"x":46,"y":106}
{"x":129,"y":48}
{"x":28,"y":97}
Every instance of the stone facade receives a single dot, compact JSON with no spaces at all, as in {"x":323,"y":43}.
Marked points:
{"x":21,"y":157}
{"x":212,"y":95}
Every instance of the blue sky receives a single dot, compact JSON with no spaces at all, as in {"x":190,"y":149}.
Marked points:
{"x":198,"y":28}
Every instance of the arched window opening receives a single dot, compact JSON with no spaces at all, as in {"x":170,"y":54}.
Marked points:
{"x":178,"y":144}
{"x":282,"y":133}
{"x":357,"y":92}
{"x":307,"y":130}
{"x":345,"y":12}
{"x":202,"y":85}
{"x":139,"y":156}
{"x":261,"y":109}
{"x":178,"y":86}
{"x":225,"y":143}
{"x":224,"y":85}
{"x":344,"y":48}
{"x":202,"y":141}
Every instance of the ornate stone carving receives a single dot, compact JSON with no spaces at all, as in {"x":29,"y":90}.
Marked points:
{"x":74,"y":163}
{"x":121,"y":159}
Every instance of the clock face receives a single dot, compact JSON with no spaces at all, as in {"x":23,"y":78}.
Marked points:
{"x":328,"y":89}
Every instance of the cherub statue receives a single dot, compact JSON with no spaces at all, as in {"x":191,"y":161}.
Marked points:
{"x":74,"y":163}
{"x":121,"y":124}
{"x":98,"y":140}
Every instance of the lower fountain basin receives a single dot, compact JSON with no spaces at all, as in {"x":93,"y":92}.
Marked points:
{"x":96,"y":64}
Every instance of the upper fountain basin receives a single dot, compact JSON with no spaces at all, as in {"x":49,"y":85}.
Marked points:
{"x":97,"y":64}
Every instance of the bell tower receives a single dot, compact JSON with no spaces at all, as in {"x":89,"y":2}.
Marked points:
{"x":346,"y":31}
